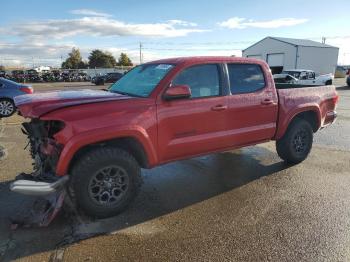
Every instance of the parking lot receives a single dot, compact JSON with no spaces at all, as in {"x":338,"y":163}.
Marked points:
{"x":239,"y":205}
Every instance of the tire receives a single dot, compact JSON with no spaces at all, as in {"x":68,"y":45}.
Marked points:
{"x":296,"y":144}
{"x":104,"y":182}
{"x":7,"y":107}
{"x":328,"y":82}
{"x":99,"y":83}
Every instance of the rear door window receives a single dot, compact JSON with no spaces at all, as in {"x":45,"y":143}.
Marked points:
{"x":245,"y":78}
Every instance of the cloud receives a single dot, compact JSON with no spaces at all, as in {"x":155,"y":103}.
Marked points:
{"x":100,"y":26}
{"x":181,"y":22}
{"x":89,"y":12}
{"x":241,"y":23}
{"x":25,"y":54}
{"x":343,"y":42}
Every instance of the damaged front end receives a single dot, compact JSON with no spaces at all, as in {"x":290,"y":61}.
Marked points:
{"x":43,"y":148}
{"x":43,"y":182}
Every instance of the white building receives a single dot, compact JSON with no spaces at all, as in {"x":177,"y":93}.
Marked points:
{"x":288,"y":53}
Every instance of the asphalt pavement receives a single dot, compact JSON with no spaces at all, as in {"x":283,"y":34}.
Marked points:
{"x":242,"y":205}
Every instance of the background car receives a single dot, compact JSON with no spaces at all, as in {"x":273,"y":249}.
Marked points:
{"x":340,"y":72}
{"x":8,"y":90}
{"x":2,"y":73}
{"x":348,"y":80}
{"x":107,"y":78}
{"x":302,"y":77}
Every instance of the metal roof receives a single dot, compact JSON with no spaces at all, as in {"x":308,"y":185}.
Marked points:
{"x":296,"y":42}
{"x":301,"y":42}
{"x":297,"y":70}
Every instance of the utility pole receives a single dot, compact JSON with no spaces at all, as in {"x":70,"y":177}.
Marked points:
{"x":140,"y":53}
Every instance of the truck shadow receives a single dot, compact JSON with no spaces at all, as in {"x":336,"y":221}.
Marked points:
{"x":343,"y":88}
{"x":166,"y":189}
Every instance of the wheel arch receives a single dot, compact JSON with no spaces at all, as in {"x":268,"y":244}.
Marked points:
{"x":312,"y":115}
{"x":136,"y":142}
{"x":129,"y":144}
{"x":7,"y":98}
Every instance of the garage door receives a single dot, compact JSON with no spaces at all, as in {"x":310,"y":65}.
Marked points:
{"x":255,"y":56}
{"x":275,"y":60}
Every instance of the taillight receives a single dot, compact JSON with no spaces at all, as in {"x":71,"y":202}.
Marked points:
{"x":26,"y":90}
{"x":336,"y":99}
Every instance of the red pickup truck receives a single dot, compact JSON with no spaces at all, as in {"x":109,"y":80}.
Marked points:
{"x":96,"y":142}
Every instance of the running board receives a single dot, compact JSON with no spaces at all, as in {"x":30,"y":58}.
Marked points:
{"x":36,"y":188}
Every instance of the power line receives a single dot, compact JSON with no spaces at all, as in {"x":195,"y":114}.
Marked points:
{"x":191,"y":49}
{"x":140,"y":53}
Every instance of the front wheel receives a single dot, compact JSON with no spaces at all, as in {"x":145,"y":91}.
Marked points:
{"x":328,"y":82}
{"x":7,"y":107}
{"x":105,"y":181}
{"x":296,"y":144}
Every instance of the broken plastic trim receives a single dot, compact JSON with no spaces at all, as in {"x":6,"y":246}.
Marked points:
{"x":37,"y":188}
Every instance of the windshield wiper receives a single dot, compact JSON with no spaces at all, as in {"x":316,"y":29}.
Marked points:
{"x":123,"y":93}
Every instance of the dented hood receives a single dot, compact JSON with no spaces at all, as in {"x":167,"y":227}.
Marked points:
{"x":35,"y":105}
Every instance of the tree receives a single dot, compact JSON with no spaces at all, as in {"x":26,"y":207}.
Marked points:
{"x":99,"y":58}
{"x":124,"y":60}
{"x":2,"y":68}
{"x":74,"y":60}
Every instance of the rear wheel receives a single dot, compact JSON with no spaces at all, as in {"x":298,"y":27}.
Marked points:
{"x":328,"y":82}
{"x":105,"y":181}
{"x":7,"y":107}
{"x":296,"y":144}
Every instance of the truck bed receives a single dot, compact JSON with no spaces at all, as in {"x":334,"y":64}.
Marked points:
{"x":318,"y":100}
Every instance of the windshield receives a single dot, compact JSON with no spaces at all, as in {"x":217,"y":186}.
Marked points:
{"x":141,"y":80}
{"x":296,"y":74}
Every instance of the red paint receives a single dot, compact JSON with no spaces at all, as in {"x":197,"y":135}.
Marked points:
{"x":180,"y":91}
{"x":26,"y":89}
{"x":170,"y":130}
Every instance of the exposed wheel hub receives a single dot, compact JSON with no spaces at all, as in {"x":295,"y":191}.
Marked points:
{"x":108,"y":185}
{"x":300,"y":141}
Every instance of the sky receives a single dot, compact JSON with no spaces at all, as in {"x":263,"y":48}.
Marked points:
{"x":41,"y":32}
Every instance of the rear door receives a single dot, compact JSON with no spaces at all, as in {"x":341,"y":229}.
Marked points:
{"x":253,"y":104}
{"x":196,"y":125}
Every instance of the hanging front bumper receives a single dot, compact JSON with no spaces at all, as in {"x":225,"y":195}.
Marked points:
{"x":38,"y":188}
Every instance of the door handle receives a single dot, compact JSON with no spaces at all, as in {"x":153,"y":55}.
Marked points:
{"x":267,"y":102}
{"x":219,"y":108}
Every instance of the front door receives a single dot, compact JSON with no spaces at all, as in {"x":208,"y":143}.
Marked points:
{"x":192,"y":126}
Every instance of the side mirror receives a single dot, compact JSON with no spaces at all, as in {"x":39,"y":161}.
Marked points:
{"x":178,"y":91}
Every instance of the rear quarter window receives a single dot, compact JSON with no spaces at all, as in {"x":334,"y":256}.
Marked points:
{"x":245,"y":78}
